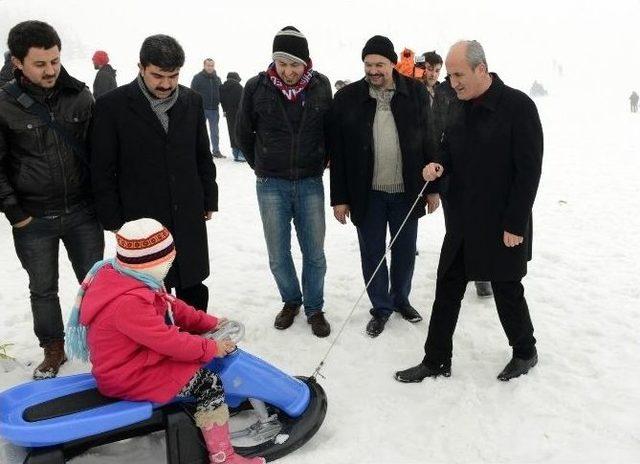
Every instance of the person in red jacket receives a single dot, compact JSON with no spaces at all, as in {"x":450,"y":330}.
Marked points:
{"x":145,"y":344}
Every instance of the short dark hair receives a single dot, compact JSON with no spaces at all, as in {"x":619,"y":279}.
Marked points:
{"x":162,"y":51}
{"x":29,"y":34}
{"x":432,"y":58}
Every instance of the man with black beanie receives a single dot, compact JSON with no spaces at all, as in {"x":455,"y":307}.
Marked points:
{"x":282,"y":131}
{"x":380,"y":144}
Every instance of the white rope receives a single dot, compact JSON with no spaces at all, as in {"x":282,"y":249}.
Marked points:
{"x":321,"y":364}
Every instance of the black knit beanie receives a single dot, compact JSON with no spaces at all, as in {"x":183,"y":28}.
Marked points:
{"x":380,"y":45}
{"x":290,"y":44}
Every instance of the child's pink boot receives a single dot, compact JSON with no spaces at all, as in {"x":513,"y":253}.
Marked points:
{"x":220,"y":449}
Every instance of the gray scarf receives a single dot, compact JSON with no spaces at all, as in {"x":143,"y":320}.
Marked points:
{"x":160,"y":106}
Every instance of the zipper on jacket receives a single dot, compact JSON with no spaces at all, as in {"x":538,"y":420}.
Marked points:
{"x":211,"y":93}
{"x":293,"y":134}
{"x":64,"y":176}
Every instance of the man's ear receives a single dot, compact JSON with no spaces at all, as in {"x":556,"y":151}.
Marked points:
{"x":17,"y":63}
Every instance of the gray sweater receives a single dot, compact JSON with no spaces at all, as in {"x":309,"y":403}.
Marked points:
{"x":387,"y":166}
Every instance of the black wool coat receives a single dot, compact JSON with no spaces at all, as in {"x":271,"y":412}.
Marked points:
{"x":352,"y":151}
{"x":138,"y":170}
{"x":492,"y":155}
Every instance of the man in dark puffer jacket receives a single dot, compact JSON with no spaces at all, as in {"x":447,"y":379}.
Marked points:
{"x":44,"y":183}
{"x":282,"y":131}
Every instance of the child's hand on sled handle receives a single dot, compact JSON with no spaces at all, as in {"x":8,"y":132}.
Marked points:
{"x":221,"y":321}
{"x":225,"y":347}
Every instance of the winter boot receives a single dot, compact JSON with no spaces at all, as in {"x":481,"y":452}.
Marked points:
{"x":376,"y":325}
{"x":54,"y":357}
{"x":285,"y":317}
{"x":319,"y":325}
{"x":219,"y":446}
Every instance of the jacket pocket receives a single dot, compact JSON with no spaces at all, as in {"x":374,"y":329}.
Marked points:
{"x":28,"y":133}
{"x":264,"y":106}
{"x":77,"y":124}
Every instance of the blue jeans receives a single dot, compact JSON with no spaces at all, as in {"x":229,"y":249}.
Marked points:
{"x":237,"y":154}
{"x":37,"y":246}
{"x":213,"y":116}
{"x":388,"y":208}
{"x":280,"y":201}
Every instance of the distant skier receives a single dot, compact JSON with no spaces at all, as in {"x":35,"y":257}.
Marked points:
{"x":634,"y":102}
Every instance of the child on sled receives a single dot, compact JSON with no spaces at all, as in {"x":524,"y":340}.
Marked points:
{"x":146,"y":345}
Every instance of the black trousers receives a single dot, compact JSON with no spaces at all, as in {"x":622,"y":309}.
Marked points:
{"x":196,"y":296}
{"x":510,"y":302}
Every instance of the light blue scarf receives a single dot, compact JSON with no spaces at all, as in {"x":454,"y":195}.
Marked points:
{"x":76,"y":333}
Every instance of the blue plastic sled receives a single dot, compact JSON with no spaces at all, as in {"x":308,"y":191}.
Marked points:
{"x":60,"y":418}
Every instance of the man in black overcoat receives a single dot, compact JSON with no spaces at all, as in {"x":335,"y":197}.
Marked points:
{"x":150,"y":158}
{"x":491,"y":152}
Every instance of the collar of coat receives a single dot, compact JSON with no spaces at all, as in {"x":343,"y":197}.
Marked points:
{"x":135,"y":92}
{"x":491,"y":97}
{"x":264,"y":80}
{"x":399,"y":80}
{"x":139,"y":103}
{"x":213,"y":75}
{"x":64,"y":82}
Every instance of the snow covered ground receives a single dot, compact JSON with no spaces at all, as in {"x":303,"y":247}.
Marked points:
{"x":580,"y":404}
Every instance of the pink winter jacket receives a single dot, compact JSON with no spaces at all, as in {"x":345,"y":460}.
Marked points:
{"x":135,"y":354}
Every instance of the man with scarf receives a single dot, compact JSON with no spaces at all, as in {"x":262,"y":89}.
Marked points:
{"x":150,"y":158}
{"x":379,"y":146}
{"x":282,"y":130}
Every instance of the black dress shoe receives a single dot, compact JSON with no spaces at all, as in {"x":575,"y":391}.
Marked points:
{"x":517,"y":367}
{"x":376,"y":325}
{"x":285,"y":317}
{"x":422,"y":371}
{"x":410,"y":314}
{"x":483,"y":289}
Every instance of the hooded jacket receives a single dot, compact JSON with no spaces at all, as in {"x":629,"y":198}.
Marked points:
{"x":137,"y":352}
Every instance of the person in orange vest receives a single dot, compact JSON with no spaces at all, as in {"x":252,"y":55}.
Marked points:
{"x":407,"y":64}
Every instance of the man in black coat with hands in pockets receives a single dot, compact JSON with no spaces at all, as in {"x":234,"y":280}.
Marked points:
{"x":150,"y":158}
{"x":491,"y":151}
